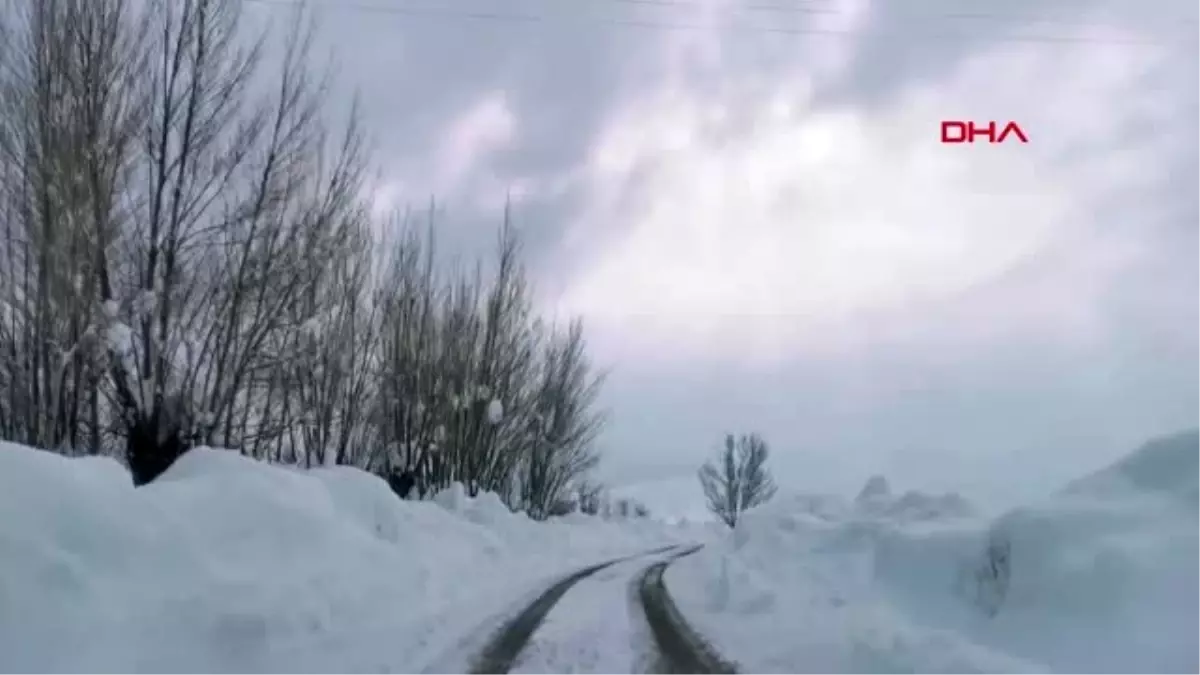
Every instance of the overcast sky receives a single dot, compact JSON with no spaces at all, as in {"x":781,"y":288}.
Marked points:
{"x":749,"y":204}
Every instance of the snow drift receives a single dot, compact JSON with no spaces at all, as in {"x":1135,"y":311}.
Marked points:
{"x":1101,"y":577}
{"x":227,"y":564}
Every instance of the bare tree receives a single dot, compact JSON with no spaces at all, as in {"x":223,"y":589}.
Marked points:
{"x":563,"y":424}
{"x":488,"y":357}
{"x":68,"y":123}
{"x":738,"y":478}
{"x":472,"y":388}
{"x":325,"y":368}
{"x":172,"y":193}
{"x":187,"y":256}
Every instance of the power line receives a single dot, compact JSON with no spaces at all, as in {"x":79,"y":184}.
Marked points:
{"x":753,"y":7}
{"x":833,"y":11}
{"x":530,"y":18}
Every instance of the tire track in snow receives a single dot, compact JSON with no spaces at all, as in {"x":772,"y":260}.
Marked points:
{"x":681,"y":649}
{"x":598,"y":627}
{"x":505,"y":646}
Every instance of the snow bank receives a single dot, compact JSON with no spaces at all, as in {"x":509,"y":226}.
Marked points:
{"x":227,"y":564}
{"x":1104,"y":576}
{"x":1164,"y":467}
{"x":792,"y":589}
{"x":877,"y":500}
{"x":1101,"y":577}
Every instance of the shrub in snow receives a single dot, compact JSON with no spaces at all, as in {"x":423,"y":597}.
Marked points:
{"x":402,"y":483}
{"x":154,"y":441}
{"x":561,"y":507}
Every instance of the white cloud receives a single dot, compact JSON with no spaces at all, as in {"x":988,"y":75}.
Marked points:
{"x":935,"y":319}
{"x":453,"y":169}
{"x":484,"y":128}
{"x":785,"y":230}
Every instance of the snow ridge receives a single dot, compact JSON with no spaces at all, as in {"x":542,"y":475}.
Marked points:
{"x":229,"y":564}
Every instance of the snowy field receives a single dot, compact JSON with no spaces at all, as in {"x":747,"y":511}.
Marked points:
{"x":1101,"y":577}
{"x":226,"y":564}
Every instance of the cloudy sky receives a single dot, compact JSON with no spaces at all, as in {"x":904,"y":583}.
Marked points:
{"x":748,"y":202}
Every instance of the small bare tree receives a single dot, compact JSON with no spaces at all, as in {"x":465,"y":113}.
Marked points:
{"x":738,"y":478}
{"x":588,"y":496}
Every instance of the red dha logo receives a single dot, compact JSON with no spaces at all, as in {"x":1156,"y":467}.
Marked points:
{"x":965,"y":132}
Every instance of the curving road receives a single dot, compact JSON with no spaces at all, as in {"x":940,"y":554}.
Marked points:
{"x":612,"y":617}
{"x":681,"y":649}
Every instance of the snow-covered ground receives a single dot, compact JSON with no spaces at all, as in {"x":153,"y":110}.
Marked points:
{"x":226,"y":564}
{"x":1101,"y":577}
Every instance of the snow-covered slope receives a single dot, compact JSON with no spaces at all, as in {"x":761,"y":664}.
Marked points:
{"x":226,"y":564}
{"x":1101,"y":577}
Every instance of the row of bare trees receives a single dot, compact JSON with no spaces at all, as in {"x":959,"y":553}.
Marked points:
{"x":188,"y":256}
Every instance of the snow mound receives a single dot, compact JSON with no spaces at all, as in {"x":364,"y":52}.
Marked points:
{"x":228,"y":564}
{"x":877,"y":487}
{"x":1101,"y":577}
{"x":792,"y":587}
{"x":877,"y":500}
{"x":453,"y":498}
{"x":1165,"y":466}
{"x":486,"y":508}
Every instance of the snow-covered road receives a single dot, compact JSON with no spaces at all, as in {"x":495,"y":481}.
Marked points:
{"x":614,"y":616}
{"x":597,"y":627}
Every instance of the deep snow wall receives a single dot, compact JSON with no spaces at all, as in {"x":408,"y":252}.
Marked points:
{"x":228,"y":564}
{"x":1101,"y":577}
